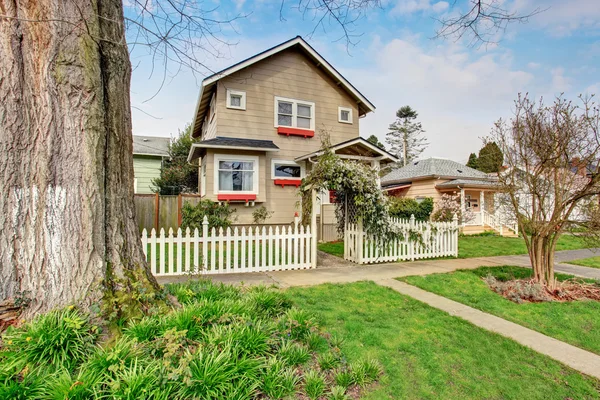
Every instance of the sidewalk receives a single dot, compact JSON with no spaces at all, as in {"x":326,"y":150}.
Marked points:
{"x":576,"y":358}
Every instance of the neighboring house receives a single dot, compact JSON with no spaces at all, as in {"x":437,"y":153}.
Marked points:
{"x":259,"y":122}
{"x":433,"y":177}
{"x":148,"y":155}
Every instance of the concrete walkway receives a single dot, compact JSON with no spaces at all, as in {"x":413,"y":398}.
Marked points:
{"x":574,"y":357}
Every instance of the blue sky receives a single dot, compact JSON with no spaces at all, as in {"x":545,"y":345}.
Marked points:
{"x":458,"y":90}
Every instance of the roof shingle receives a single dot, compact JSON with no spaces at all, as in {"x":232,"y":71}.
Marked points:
{"x":433,"y":167}
{"x":151,"y":145}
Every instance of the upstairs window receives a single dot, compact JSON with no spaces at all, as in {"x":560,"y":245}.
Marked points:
{"x":294,"y":113}
{"x":345,"y":115}
{"x":236,"y":99}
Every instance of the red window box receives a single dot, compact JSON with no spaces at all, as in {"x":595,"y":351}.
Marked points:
{"x":288,"y":182}
{"x":236,"y":197}
{"x":284,"y":130}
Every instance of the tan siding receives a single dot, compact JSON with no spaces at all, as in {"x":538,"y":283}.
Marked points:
{"x":425,"y":188}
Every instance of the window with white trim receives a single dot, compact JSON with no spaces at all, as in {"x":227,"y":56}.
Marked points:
{"x":294,"y":113}
{"x":236,"y":174}
{"x":345,"y":115}
{"x":281,"y":169}
{"x":236,"y":99}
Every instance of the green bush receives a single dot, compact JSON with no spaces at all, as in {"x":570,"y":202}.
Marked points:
{"x":404,"y":207}
{"x":223,"y":343}
{"x":219,"y":215}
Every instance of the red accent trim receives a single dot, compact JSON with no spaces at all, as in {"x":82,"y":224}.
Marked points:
{"x":288,"y":182}
{"x":332,"y":198}
{"x":236,"y":197}
{"x":284,"y":130}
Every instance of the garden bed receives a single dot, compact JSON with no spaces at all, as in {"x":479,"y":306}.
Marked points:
{"x":574,"y":322}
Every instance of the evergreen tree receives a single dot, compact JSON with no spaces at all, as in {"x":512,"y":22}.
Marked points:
{"x":405,"y":135}
{"x":490,"y":158}
{"x":375,"y":140}
{"x":472,"y":161}
{"x":177,"y":175}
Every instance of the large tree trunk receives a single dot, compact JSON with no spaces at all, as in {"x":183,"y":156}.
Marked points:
{"x":541,"y":254}
{"x":66,"y":171}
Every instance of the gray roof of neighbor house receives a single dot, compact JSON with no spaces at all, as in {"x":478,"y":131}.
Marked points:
{"x":151,"y":145}
{"x":467,"y":182}
{"x":221,"y":142}
{"x":433,"y":167}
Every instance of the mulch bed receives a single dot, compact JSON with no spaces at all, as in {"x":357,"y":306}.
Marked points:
{"x":523,"y":290}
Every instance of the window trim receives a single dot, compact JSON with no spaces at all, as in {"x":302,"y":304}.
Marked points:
{"x":286,"y":162}
{"x":240,"y":93}
{"x":295,"y":103}
{"x":350,"y":117}
{"x":232,"y":157}
{"x":212,"y":107}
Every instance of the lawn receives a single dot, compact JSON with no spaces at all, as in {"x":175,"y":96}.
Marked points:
{"x":577,"y":323}
{"x":428,"y":354}
{"x":592,"y":262}
{"x":481,"y":246}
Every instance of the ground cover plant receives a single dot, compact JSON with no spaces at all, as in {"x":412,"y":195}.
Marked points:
{"x":429,"y":354}
{"x":223,"y":342}
{"x":574,"y":322}
{"x":592,"y":262}
{"x":483,"y":245}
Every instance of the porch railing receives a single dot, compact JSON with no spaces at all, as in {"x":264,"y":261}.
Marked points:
{"x":494,"y":222}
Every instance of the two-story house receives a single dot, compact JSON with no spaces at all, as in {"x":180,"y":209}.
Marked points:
{"x":259,"y":123}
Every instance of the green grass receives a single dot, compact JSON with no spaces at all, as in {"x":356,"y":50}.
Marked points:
{"x":592,"y":262}
{"x":481,"y":246}
{"x":428,"y":354}
{"x":577,"y":323}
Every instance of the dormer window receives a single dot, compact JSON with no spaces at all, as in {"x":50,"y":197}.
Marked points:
{"x":294,"y":113}
{"x":345,"y":115}
{"x":236,"y":99}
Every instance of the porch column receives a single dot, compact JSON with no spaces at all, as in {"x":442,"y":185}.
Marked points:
{"x":375,"y":165}
{"x":481,"y":205}
{"x":462,"y":205}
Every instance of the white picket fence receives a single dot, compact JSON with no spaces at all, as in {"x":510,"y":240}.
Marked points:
{"x":437,"y":239}
{"x":231,"y":250}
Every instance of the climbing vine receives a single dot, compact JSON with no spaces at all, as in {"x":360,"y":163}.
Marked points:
{"x":356,"y":187}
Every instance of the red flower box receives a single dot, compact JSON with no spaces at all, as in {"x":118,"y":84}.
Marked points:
{"x":284,"y":130}
{"x":236,"y":197}
{"x":288,"y":182}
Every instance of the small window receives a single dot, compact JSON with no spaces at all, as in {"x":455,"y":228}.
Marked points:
{"x":345,"y":115}
{"x":236,"y":99}
{"x":294,"y":113}
{"x":286,"y":170}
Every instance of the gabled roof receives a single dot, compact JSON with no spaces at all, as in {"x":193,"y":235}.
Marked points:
{"x":357,"y":147}
{"x":433,"y":167}
{"x":364,"y":105}
{"x":231,"y":143}
{"x":151,"y":145}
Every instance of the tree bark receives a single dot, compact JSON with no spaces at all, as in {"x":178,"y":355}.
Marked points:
{"x":67,"y":213}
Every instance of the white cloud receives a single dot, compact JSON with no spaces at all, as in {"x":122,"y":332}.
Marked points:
{"x":560,"y":17}
{"x":560,"y":83}
{"x":406,"y":7}
{"x":533,"y":65}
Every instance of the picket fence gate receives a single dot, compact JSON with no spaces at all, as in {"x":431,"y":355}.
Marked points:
{"x":419,"y":240}
{"x":237,"y":250}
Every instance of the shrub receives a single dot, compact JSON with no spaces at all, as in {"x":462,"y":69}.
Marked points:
{"x":338,"y":393}
{"x":203,"y":289}
{"x":298,"y":324}
{"x":62,"y":385}
{"x":219,"y":215}
{"x":365,"y":372}
{"x":404,"y":207}
{"x":344,"y":378}
{"x":267,"y":302}
{"x":447,"y":207}
{"x":278,"y":381}
{"x":328,"y":361}
{"x":61,"y":338}
{"x":316,"y":342}
{"x":108,"y":361}
{"x":293,"y":353}
{"x":261,"y":214}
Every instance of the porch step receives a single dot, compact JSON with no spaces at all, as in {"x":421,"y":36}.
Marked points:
{"x":476,"y":229}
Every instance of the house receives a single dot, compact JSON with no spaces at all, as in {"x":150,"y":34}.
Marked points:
{"x":259,"y":124}
{"x":433,"y":177}
{"x":148,"y":155}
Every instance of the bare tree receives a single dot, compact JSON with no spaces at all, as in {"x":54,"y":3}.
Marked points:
{"x":67,"y":230}
{"x":481,"y":21}
{"x":551,"y":182}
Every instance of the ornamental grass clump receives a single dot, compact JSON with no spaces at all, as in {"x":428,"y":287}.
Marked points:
{"x":223,"y":343}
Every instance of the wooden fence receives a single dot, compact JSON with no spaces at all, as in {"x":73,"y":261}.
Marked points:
{"x":154,"y":211}
{"x":233,"y":250}
{"x":419,"y":240}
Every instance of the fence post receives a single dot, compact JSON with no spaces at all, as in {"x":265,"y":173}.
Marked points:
{"x":360,"y":240}
{"x":156,"y":209}
{"x":205,"y":244}
{"x":313,"y":229}
{"x":179,"y":205}
{"x":411,"y":245}
{"x":455,"y":235}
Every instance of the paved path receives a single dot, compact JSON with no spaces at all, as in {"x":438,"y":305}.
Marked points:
{"x":576,"y":358}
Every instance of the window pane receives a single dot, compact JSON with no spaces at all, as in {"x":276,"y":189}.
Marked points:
{"x":285,"y":108}
{"x":304,"y":123}
{"x":345,"y":115}
{"x":236,"y":101}
{"x":225,"y":180}
{"x":225,"y":164}
{"x":284,"y":120}
{"x":303,"y":111}
{"x":287,"y":171}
